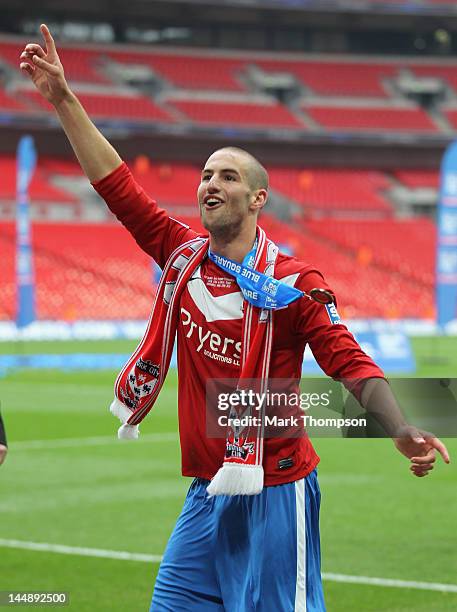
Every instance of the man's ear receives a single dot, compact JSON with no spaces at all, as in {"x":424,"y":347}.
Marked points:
{"x":260,"y":200}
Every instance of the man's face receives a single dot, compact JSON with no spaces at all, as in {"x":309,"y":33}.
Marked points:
{"x":224,"y":194}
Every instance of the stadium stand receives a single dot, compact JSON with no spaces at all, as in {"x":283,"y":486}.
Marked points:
{"x":336,"y":78}
{"x":171,"y":184}
{"x":96,"y":271}
{"x":320,"y":190}
{"x":10,"y":103}
{"x":81,"y":65}
{"x":92,"y":270}
{"x":407,"y":246}
{"x":62,"y":167}
{"x":438,"y":70}
{"x":82,"y":271}
{"x":402,"y":296}
{"x":41,"y":189}
{"x":132,"y":107}
{"x":418,"y":178}
{"x":368,"y":119}
{"x":334,"y":94}
{"x":247,"y":114}
{"x":192,"y":70}
{"x":317,"y":191}
{"x":451,"y":116}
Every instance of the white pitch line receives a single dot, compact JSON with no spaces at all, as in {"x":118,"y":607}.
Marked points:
{"x":93,"y":441}
{"x":389,"y":582}
{"x":142,"y":557}
{"x":84,"y":552}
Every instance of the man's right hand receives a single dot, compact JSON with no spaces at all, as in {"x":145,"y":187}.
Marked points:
{"x":95,"y":154}
{"x":45,"y":68}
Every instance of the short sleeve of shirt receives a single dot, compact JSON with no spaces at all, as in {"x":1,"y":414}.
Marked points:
{"x":155,"y":232}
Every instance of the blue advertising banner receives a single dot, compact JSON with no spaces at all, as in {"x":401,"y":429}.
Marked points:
{"x":446,"y":256}
{"x":26,"y":161}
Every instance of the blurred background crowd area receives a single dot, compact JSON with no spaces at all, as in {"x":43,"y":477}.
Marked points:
{"x":350,"y":106}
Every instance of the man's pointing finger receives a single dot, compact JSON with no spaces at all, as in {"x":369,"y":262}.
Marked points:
{"x":50,"y":44}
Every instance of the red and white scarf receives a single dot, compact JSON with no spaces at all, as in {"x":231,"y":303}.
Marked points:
{"x":140,"y":381}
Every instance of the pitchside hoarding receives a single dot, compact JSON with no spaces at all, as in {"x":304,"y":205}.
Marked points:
{"x":26,"y":162}
{"x":446,"y":256}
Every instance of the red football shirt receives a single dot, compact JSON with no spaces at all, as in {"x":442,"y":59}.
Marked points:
{"x":209,"y":334}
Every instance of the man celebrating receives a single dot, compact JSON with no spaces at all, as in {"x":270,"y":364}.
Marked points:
{"x":248,"y":536}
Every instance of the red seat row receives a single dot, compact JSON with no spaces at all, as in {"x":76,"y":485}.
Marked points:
{"x":198,"y":70}
{"x":372,"y":119}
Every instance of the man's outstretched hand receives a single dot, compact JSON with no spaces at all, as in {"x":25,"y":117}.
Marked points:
{"x":43,"y":66}
{"x":420,"y":447}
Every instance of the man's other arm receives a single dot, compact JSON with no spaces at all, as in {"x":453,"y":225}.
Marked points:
{"x":341,"y":357}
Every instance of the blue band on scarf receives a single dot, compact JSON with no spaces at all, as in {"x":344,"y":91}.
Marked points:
{"x":258,"y":289}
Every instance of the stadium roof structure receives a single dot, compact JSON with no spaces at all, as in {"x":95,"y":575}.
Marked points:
{"x":372,"y":13}
{"x":415,"y":6}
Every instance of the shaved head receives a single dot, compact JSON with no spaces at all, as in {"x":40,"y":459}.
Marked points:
{"x":255,"y":173}
{"x":233,"y":189}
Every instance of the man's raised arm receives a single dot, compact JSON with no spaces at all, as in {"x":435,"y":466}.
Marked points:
{"x":95,"y":154}
{"x":155,"y":232}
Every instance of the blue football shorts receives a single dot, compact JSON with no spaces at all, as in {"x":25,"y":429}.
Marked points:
{"x":244,"y":553}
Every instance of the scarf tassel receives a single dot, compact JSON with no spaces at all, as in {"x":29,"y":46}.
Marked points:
{"x":125,"y":431}
{"x":236,"y":479}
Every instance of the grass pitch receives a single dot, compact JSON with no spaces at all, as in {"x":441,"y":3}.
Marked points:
{"x":377,"y":519}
